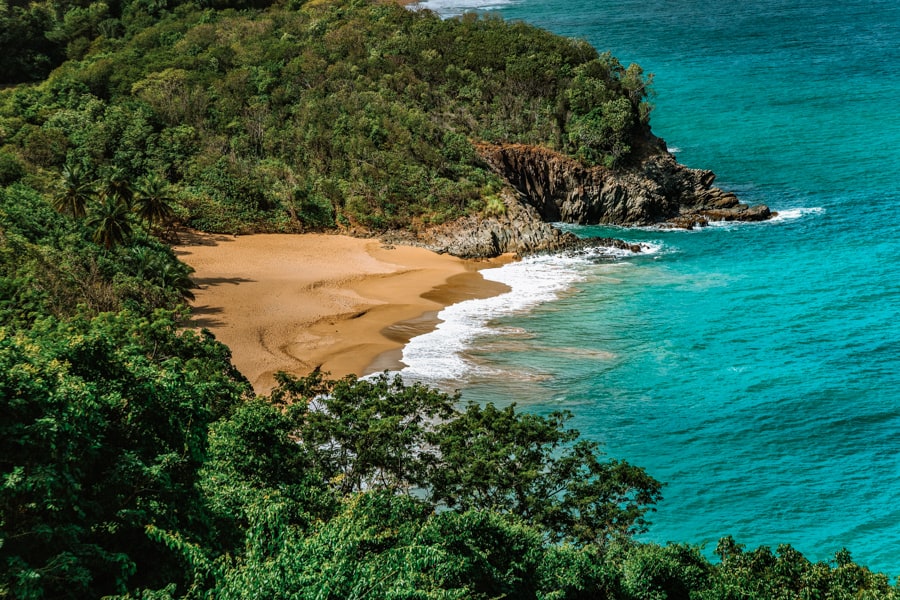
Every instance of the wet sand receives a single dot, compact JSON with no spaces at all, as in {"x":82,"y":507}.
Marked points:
{"x":293,"y":303}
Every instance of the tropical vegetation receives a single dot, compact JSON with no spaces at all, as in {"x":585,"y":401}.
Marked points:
{"x":135,"y":460}
{"x":327,"y":114}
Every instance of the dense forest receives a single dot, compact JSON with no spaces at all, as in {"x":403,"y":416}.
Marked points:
{"x":136,"y":462}
{"x":355,"y":115}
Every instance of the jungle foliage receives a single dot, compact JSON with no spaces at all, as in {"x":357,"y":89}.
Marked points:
{"x":136,"y":464}
{"x":314,"y":116}
{"x":135,"y":461}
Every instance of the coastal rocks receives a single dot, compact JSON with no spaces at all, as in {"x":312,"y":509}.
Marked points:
{"x":548,"y":187}
{"x":656,"y":190}
{"x":520,"y":230}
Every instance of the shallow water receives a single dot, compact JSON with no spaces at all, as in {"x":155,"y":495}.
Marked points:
{"x":753,"y":368}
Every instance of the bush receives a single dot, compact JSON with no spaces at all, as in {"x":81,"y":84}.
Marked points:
{"x":11,"y":168}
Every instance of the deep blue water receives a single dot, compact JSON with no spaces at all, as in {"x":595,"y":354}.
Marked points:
{"x":753,"y":368}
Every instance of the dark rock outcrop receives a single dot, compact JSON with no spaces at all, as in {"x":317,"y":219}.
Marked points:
{"x":547,"y":187}
{"x":655,"y":190}
{"x":520,"y":230}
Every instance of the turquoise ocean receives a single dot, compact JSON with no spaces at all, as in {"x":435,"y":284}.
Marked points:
{"x":753,"y":368}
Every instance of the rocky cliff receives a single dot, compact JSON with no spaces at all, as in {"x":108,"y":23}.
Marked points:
{"x":520,"y":230}
{"x":547,"y":187}
{"x":656,"y":189}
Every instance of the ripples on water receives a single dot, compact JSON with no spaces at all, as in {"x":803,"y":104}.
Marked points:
{"x":754,"y":368}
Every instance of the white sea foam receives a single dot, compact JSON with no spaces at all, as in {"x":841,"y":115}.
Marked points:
{"x":796,"y":213}
{"x":439,"y":356}
{"x":725,"y":224}
{"x":452,"y":8}
{"x":789,"y":214}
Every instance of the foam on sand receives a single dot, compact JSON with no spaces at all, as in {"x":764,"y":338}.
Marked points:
{"x":440,"y":355}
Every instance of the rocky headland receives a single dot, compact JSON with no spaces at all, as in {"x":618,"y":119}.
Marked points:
{"x":545,"y":187}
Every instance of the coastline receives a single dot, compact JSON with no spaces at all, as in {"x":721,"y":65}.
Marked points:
{"x":297,"y":302}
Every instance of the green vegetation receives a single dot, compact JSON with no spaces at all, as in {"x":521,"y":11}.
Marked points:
{"x":135,"y":461}
{"x":350,"y":114}
{"x":54,"y":265}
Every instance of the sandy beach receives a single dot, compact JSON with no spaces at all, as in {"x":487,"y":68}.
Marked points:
{"x":292,"y":303}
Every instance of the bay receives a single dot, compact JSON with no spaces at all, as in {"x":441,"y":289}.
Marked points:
{"x":753,"y":368}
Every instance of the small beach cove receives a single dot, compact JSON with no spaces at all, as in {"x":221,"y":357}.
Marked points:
{"x":297,"y":302}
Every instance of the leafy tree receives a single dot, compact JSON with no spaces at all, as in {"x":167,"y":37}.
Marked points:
{"x":366,"y":434}
{"x":650,"y":571}
{"x":11,"y":168}
{"x":385,"y":546}
{"x":602,"y":135}
{"x":786,"y":573}
{"x":254,"y":459}
{"x":25,"y":52}
{"x":528,"y":465}
{"x":382,"y":434}
{"x":103,"y":431}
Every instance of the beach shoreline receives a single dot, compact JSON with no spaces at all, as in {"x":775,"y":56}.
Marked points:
{"x":297,"y":302}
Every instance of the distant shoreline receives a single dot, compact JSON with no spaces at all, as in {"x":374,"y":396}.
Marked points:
{"x":295,"y":302}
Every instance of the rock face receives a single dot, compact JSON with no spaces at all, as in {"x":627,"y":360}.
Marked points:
{"x":656,"y":190}
{"x":547,"y":187}
{"x":521,"y":230}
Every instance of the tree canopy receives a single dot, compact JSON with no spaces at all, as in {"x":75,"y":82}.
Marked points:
{"x":135,"y":461}
{"x":310,"y":116}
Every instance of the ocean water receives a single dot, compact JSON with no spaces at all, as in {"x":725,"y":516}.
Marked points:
{"x":753,"y":368}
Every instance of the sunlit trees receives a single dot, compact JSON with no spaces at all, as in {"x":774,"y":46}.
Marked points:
{"x":366,"y":434}
{"x":533,"y":467}
{"x":383,"y":434}
{"x":366,"y":120}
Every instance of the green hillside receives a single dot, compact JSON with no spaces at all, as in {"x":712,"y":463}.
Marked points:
{"x":328,"y":114}
{"x":135,"y":461}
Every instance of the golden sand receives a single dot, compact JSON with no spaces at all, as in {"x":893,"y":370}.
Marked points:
{"x":292,"y":303}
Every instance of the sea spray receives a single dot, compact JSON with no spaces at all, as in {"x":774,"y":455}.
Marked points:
{"x":440,"y":357}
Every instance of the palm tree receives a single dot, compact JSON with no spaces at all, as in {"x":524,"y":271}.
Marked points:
{"x":173,"y":276}
{"x":111,"y":223}
{"x":142,"y":261}
{"x":118,"y":187}
{"x":153,"y":203}
{"x":76,"y":193}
